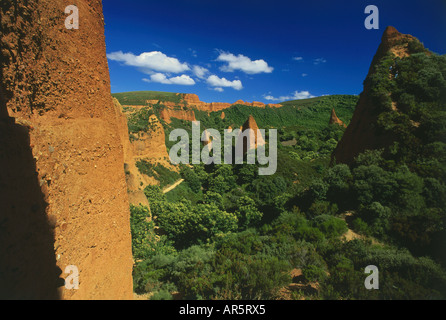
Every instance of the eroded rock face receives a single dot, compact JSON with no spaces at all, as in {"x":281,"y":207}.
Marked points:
{"x":167,"y":113}
{"x":136,"y":182}
{"x":362,"y":134}
{"x":64,"y":199}
{"x":215,"y":106}
{"x":274,"y":105}
{"x":191,"y":98}
{"x":252,"y":104}
{"x":258,"y":104}
{"x":151,"y":144}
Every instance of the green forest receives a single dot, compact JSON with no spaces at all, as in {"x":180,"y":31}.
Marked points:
{"x":309,"y":230}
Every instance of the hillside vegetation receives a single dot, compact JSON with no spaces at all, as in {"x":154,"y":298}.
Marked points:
{"x":228,"y":233}
{"x":310,"y":113}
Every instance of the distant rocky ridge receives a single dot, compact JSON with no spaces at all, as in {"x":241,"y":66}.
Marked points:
{"x":189,"y":100}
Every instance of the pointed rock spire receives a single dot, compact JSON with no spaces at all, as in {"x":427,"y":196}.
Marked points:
{"x":362,"y":133}
{"x":335,"y":120}
{"x":256,"y":139}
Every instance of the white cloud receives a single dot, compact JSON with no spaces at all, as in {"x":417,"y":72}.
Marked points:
{"x":298,"y":58}
{"x":200,"y":72}
{"x":304,"y":74}
{"x":219,"y":89}
{"x":243,"y":63}
{"x":215,"y":81}
{"x":319,"y":61}
{"x":149,"y":62}
{"x":297,"y":95}
{"x":184,"y":80}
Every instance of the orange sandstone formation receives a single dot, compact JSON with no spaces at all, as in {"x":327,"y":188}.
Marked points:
{"x":182,"y":114}
{"x":256,"y":139}
{"x":335,"y":120}
{"x":190,"y":101}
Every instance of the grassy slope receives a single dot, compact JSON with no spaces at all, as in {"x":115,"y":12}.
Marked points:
{"x":310,"y":113}
{"x":139,"y":97}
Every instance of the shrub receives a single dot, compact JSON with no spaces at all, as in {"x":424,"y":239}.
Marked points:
{"x":186,"y":224}
{"x":373,"y":183}
{"x":330,"y":226}
{"x":222,"y":179}
{"x":247,"y":213}
{"x":142,"y":232}
{"x":215,"y":198}
{"x":139,"y":121}
{"x":154,"y":193}
{"x":191,"y":271}
{"x":145,"y":242}
{"x":192,"y":179}
{"x":360,"y":226}
{"x":318,"y":190}
{"x":322,"y":208}
{"x":377,"y":217}
{"x":162,"y":295}
{"x":313,"y":273}
{"x":243,"y":272}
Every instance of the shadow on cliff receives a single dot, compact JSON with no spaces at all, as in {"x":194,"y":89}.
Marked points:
{"x":27,"y":263}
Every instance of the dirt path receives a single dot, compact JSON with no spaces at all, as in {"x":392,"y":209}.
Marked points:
{"x":351,"y":235}
{"x":173,"y":186}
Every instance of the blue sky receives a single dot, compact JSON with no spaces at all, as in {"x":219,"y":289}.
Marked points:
{"x":259,"y":50}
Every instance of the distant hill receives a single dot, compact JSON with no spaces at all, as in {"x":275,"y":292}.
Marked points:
{"x":311,"y":113}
